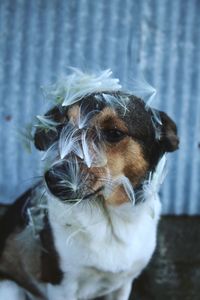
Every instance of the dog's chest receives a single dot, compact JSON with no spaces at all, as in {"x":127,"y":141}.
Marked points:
{"x":94,"y":282}
{"x":100,"y":253}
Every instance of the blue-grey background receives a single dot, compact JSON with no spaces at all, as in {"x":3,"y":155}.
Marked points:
{"x":39,"y":39}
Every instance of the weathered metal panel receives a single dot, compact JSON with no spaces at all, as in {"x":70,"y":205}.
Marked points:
{"x":158,"y":39}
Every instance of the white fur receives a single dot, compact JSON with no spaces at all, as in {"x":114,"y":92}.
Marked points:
{"x":9,"y":290}
{"x":102,"y":248}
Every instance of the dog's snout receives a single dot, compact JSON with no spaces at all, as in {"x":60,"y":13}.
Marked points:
{"x":63,"y":180}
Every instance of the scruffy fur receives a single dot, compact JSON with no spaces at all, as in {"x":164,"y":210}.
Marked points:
{"x":89,"y":228}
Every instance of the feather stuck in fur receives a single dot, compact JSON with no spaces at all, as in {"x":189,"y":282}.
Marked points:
{"x":69,"y":141}
{"x":75,"y":139}
{"x":74,"y":87}
{"x":152,"y":185}
{"x":144,"y":90}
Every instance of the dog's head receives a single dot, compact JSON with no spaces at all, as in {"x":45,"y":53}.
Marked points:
{"x":104,"y":144}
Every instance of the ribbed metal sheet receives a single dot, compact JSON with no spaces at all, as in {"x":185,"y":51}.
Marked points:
{"x":159,"y":39}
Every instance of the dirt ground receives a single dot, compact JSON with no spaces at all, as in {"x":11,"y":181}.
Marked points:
{"x":174,"y":271}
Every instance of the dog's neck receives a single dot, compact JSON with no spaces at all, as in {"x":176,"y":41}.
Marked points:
{"x":93,"y":216}
{"x":89,"y":212}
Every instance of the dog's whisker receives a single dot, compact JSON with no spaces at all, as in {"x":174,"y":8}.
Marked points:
{"x":73,"y":234}
{"x":32,"y":178}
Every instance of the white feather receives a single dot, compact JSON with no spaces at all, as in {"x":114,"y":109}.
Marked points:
{"x":83,"y":117}
{"x":51,"y":153}
{"x":69,"y":141}
{"x":99,"y":157}
{"x":77,"y":85}
{"x":127,"y":185}
{"x":144,"y":90}
{"x":111,"y":184}
{"x":81,"y":84}
{"x":71,"y":178}
{"x":47,"y":122}
{"x":157,"y":123}
{"x":74,"y":178}
{"x":114,"y":101}
{"x":152,"y":185}
{"x":86,"y":150}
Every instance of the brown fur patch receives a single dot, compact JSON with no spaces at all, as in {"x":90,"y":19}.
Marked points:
{"x":73,"y":113}
{"x":108,"y":119}
{"x":124,"y":157}
{"x":118,"y":196}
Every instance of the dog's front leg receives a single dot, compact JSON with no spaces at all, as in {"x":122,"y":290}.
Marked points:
{"x":9,"y":290}
{"x":63,"y":291}
{"x":122,"y":293}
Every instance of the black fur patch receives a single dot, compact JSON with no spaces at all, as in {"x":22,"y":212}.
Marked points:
{"x":13,"y":217}
{"x":44,"y":138}
{"x":50,"y":271}
{"x":139,"y":122}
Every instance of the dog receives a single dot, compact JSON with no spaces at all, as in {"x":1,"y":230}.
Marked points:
{"x":88,"y":228}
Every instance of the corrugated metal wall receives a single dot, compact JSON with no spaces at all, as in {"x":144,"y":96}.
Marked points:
{"x":159,"y":39}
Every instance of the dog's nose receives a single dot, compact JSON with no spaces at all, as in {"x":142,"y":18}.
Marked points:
{"x":64,"y":181}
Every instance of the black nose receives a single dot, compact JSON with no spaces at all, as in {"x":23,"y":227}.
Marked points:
{"x":59,"y":180}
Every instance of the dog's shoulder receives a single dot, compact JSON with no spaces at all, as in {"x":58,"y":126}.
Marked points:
{"x":27,"y":252}
{"x":12,"y":216}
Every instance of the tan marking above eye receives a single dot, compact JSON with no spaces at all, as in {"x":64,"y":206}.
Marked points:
{"x":73,"y":113}
{"x":108,"y":119}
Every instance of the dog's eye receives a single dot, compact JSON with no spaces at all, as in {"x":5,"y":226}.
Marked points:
{"x":113,"y":135}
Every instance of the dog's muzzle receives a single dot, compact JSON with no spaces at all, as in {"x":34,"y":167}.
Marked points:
{"x":70,"y":181}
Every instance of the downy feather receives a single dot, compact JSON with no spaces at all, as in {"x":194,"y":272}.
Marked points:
{"x":46,"y":122}
{"x":84,"y":117}
{"x":86,"y":150}
{"x":114,"y":101}
{"x":144,"y":90}
{"x":152,"y":185}
{"x":77,"y":85}
{"x":69,"y":141}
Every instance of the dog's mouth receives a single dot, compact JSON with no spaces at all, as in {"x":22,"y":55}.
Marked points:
{"x":70,"y":188}
{"x":94,"y":193}
{"x":69,"y":196}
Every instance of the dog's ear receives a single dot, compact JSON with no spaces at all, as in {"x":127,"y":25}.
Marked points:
{"x":45,"y":137}
{"x":169,"y":139}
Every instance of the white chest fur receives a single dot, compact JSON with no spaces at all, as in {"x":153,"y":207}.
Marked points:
{"x":100,"y":249}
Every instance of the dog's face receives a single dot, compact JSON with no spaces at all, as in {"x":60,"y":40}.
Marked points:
{"x":104,"y":145}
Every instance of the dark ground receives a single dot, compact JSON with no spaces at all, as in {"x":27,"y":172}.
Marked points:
{"x":174,"y":272}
